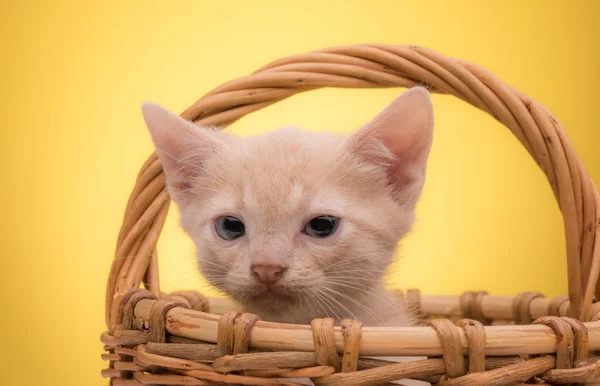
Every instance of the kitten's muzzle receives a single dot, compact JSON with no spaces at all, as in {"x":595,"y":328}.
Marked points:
{"x":268,"y":273}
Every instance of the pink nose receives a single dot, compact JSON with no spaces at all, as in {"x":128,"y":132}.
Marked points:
{"x":268,"y":274}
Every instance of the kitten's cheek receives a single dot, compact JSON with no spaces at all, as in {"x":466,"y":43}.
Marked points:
{"x":208,"y":238}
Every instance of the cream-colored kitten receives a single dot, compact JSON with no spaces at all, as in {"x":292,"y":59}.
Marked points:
{"x":296,"y":225}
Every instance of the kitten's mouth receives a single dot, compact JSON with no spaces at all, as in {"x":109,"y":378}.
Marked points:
{"x":273,"y":292}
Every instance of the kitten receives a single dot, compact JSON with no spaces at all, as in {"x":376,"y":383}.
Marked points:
{"x":296,"y":225}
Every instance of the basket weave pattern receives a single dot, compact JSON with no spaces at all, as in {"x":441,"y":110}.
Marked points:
{"x":161,"y":339}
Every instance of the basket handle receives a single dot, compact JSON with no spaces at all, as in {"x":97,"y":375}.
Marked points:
{"x":375,"y":66}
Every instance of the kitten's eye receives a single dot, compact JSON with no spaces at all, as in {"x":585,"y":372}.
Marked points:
{"x":229,"y":228}
{"x":321,"y":227}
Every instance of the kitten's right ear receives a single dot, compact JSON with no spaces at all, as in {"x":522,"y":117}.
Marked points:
{"x":400,"y":139}
{"x":181,"y":146}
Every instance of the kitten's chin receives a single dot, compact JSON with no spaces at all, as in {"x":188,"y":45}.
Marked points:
{"x":270,"y":300}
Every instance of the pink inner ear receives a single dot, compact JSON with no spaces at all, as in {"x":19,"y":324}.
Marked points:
{"x":400,"y":137}
{"x":181,"y":146}
{"x":406,"y":125}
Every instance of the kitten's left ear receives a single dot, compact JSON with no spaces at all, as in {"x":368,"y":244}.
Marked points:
{"x":399,"y":139}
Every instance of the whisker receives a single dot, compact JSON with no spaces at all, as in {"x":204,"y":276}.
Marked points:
{"x":340,"y":304}
{"x":367,"y":309}
{"x":316,"y":298}
{"x":323,"y":297}
{"x":353,"y":278}
{"x":394,"y":306}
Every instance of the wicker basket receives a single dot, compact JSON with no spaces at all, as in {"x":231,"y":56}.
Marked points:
{"x":184,"y":338}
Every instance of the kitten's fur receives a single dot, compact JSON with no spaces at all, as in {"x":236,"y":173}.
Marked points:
{"x":277,"y":182}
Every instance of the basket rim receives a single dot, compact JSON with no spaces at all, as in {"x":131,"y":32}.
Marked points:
{"x":501,"y":340}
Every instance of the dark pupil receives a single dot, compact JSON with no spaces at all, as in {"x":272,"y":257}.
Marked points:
{"x":233,"y":226}
{"x":322,"y":226}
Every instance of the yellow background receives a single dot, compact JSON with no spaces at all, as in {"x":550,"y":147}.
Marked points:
{"x":74,"y":74}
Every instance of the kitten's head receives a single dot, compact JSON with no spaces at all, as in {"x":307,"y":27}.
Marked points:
{"x":291,"y":214}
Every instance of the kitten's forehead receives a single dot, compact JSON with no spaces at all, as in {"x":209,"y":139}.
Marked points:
{"x":287,"y":175}
{"x":286,"y":169}
{"x":293,"y":197}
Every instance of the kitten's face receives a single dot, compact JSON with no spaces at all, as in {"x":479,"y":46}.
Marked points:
{"x":289,"y":216}
{"x":275,"y":185}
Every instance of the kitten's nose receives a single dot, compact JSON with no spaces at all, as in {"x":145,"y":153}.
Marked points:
{"x":268,"y":273}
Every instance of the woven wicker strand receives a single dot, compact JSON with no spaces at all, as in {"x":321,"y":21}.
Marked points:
{"x":375,"y":341}
{"x":171,"y":339}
